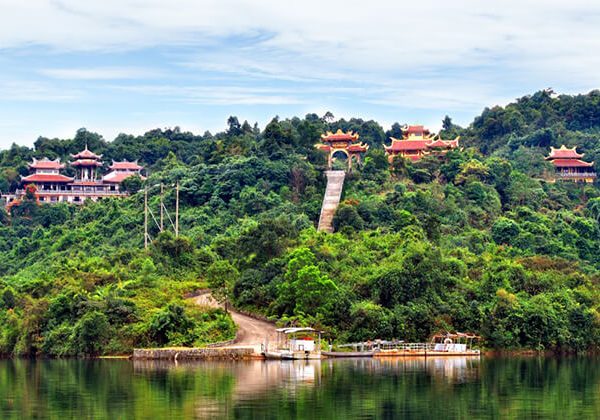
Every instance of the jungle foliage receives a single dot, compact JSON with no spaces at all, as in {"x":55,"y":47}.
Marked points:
{"x":477,"y":240}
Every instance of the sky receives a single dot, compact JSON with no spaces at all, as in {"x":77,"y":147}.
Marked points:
{"x":128,"y":66}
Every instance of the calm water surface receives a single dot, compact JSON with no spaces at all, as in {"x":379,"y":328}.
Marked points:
{"x":361,"y":388}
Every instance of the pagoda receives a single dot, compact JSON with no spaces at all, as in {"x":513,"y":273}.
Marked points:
{"x":416,"y":142}
{"x":119,"y":171}
{"x":568,"y":165}
{"x":340,"y":142}
{"x":53,"y":187}
{"x":86,"y":163}
{"x":47,"y":179}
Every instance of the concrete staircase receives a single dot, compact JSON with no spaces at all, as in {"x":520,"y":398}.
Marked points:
{"x":333,"y":193}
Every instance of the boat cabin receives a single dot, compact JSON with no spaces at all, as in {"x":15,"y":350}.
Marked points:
{"x":296,"y":343}
{"x":453,"y":342}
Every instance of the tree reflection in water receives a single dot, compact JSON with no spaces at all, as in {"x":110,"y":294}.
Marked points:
{"x":433,"y":387}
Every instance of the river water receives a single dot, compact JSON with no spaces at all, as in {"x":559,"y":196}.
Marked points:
{"x":435,"y":388}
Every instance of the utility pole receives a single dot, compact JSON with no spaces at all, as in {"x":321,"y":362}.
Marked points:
{"x":162,"y":217}
{"x":145,"y":217}
{"x":177,"y":209}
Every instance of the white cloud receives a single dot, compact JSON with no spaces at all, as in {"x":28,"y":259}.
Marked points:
{"x":98,"y":73}
{"x":214,"y":95}
{"x":341,"y":34}
{"x":35,"y":91}
{"x":455,"y":55}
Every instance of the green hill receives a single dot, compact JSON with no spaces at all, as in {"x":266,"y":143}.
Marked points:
{"x":475,"y":242}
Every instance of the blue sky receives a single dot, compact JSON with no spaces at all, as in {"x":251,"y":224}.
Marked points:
{"x":130,"y":66}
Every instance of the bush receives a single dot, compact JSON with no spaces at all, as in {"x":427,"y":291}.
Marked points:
{"x":91,"y":333}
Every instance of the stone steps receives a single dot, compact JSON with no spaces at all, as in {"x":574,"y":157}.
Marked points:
{"x":331,"y":200}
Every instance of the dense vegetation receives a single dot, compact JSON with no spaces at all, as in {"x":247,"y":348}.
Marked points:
{"x":476,"y":241}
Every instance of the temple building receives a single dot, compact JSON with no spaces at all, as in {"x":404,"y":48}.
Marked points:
{"x":53,"y":187}
{"x":568,"y":165}
{"x":416,"y":142}
{"x":342,"y":143}
{"x":121,"y":170}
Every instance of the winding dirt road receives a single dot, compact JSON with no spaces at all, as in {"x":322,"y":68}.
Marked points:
{"x":251,"y":332}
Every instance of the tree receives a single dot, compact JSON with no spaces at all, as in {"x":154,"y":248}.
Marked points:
{"x":472,"y":170}
{"x":328,"y":117}
{"x":505,"y":231}
{"x":91,"y":333}
{"x":169,"y":323}
{"x":395,"y":131}
{"x":376,"y":166}
{"x":399,"y":166}
{"x":28,"y":207}
{"x":221,"y":277}
{"x":347,"y":216}
{"x":132,"y":184}
{"x":234,"y":126}
{"x":447,"y":124}
{"x":305,"y":290}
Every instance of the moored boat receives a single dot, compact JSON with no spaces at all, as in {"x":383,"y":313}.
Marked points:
{"x":445,"y":344}
{"x":348,"y":353}
{"x":295,"y":344}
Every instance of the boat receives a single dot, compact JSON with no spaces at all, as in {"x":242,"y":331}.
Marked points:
{"x":297,"y":343}
{"x":362,"y":349}
{"x":348,"y":353}
{"x":443,"y":344}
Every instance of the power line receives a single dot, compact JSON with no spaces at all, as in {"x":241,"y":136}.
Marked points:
{"x":163,"y":210}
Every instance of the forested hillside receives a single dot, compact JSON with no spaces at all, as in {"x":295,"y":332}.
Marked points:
{"x":478,"y":241}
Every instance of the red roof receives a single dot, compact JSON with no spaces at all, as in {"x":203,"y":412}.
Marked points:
{"x":86,"y":162}
{"x":357,"y":148}
{"x":339,"y":136}
{"x":46,"y":163}
{"x":404,"y":145}
{"x":443,"y":144}
{"x":117,"y":177}
{"x":125,"y":165}
{"x":571,"y":163}
{"x":416,"y":129}
{"x":86,"y":154}
{"x":45,"y":178}
{"x":564,"y":153}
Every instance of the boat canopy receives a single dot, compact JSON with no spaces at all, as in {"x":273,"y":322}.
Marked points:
{"x":456,"y":335}
{"x":295,"y":330}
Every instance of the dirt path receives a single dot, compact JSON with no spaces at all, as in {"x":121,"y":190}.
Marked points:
{"x":251,"y":332}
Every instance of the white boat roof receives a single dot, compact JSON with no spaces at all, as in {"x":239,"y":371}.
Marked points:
{"x":294,"y":330}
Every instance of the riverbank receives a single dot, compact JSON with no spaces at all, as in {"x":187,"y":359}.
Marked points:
{"x":184,"y":353}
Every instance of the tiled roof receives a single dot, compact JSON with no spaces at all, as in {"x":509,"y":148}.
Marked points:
{"x":339,"y":136}
{"x":117,"y":177}
{"x":571,"y":163}
{"x":46,"y":163}
{"x":125,"y":165}
{"x":403,"y":145}
{"x":86,"y":154}
{"x":564,"y":153}
{"x":416,"y":129}
{"x":358,"y":148}
{"x":86,"y":162}
{"x":46,"y":178}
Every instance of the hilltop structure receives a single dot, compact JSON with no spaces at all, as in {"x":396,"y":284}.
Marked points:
{"x":342,"y":143}
{"x":53,"y":187}
{"x":568,"y":165}
{"x":346,"y":144}
{"x":416,"y":142}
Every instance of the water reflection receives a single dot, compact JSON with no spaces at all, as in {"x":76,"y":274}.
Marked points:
{"x":371,"y":388}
